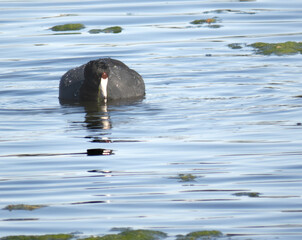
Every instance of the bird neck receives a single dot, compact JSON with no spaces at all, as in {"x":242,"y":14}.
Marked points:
{"x":103,"y":89}
{"x":89,"y":89}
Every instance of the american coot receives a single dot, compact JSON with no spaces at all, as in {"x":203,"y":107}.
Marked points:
{"x":101,"y":80}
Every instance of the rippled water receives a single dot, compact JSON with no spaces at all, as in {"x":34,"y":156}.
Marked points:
{"x":227,"y":116}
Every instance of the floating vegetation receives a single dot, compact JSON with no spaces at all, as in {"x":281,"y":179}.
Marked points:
{"x":202,"y":21}
{"x":23,"y":207}
{"x":236,"y":45}
{"x":128,"y":234}
{"x":79,"y":26}
{"x":68,"y":27}
{"x":125,"y":234}
{"x":185,"y":177}
{"x":115,"y":29}
{"x":207,"y":22}
{"x":95,"y":31}
{"x":248,"y":194}
{"x":285,"y":48}
{"x":201,"y":235}
{"x":40,"y":237}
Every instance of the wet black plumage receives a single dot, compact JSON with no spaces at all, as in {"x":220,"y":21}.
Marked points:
{"x":82,"y":83}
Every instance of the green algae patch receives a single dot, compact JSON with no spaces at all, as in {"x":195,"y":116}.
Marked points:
{"x":208,"y":22}
{"x":248,"y":194}
{"x":185,"y":177}
{"x":39,"y":237}
{"x":235,"y":45}
{"x":95,"y":31}
{"x":68,"y":27}
{"x":23,"y":207}
{"x":129,"y":234}
{"x":201,"y":235}
{"x":203,"y":21}
{"x":115,"y":29}
{"x":286,"y":48}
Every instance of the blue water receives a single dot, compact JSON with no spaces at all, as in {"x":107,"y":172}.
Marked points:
{"x":229,"y":117}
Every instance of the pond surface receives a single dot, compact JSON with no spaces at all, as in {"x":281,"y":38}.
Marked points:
{"x":229,"y":117}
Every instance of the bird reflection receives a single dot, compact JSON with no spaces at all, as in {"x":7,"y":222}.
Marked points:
{"x":97,"y":119}
{"x":97,"y":116}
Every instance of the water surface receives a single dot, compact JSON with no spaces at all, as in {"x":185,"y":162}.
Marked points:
{"x":229,"y":117}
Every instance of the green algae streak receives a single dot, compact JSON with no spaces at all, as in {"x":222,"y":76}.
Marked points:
{"x":40,"y":237}
{"x":186,"y":177}
{"x":115,"y":29}
{"x":68,"y":27}
{"x":23,"y":207}
{"x":286,"y":48}
{"x":132,"y":235}
{"x":248,"y":194}
{"x":202,"y":21}
{"x":208,"y":22}
{"x":95,"y":31}
{"x":125,"y":234}
{"x":235,"y":45}
{"x":201,"y":235}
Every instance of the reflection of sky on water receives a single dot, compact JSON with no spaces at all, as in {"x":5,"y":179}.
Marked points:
{"x":227,"y":116}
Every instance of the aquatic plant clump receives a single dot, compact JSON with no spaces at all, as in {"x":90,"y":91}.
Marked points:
{"x":248,"y":194}
{"x":186,"y":177}
{"x":40,"y":237}
{"x":95,"y":31}
{"x":207,"y":22}
{"x":115,"y":29}
{"x":68,"y":27}
{"x":23,"y":207}
{"x":201,"y":235}
{"x":128,"y":234}
{"x":285,"y":48}
{"x":125,"y":234}
{"x":202,"y":21}
{"x":235,"y":45}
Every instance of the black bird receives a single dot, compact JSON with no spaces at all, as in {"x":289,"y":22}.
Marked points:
{"x":101,"y":80}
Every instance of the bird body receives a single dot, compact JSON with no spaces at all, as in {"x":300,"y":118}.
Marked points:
{"x":103,"y":79}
